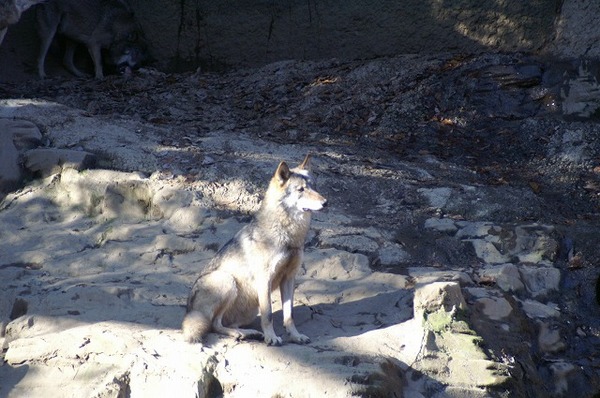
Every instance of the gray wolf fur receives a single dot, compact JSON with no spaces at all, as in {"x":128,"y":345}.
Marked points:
{"x":263,"y":256}
{"x":10,"y":13}
{"x":98,"y":24}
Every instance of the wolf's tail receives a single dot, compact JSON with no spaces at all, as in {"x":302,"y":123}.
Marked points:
{"x":195,"y":325}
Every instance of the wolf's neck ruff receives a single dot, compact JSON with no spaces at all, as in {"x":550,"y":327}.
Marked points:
{"x":288,"y":229}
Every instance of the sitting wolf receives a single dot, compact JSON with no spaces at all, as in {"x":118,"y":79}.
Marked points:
{"x":264,"y":256}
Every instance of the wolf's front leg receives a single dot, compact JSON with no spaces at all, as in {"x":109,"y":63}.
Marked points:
{"x":266,"y":315}
{"x":287,"y":300}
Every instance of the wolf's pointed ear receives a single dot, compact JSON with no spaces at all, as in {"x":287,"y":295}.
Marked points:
{"x":305,"y":165}
{"x":283,"y":173}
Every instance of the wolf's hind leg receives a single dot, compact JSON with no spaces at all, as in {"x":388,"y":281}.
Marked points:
{"x":229,"y":297}
{"x":236,"y":333}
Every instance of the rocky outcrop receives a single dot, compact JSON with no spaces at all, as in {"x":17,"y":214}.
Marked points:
{"x":575,"y":35}
{"x":21,"y":156}
{"x":133,"y":265}
{"x":456,"y":257}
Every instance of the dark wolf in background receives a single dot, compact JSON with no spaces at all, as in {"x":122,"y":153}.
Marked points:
{"x":10,"y":13}
{"x":98,"y":24}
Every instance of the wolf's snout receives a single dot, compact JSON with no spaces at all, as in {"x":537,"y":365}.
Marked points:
{"x":324,"y":203}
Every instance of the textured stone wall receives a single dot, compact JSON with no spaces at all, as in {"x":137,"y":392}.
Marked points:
{"x":248,"y":32}
{"x":576,"y":32}
{"x":220,"y":34}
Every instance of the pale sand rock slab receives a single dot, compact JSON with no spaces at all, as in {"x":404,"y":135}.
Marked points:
{"x":117,"y":270}
{"x":48,"y":161}
{"x":16,"y":136}
{"x":69,"y":128}
{"x":117,"y":248}
{"x":106,"y":360}
{"x":25,"y":134}
{"x":335,"y":276}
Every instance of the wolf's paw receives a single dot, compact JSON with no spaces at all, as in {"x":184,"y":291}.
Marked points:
{"x":273,"y":340}
{"x":300,"y":338}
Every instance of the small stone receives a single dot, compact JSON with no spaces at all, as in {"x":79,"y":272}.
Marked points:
{"x":539,"y":281}
{"x":478,"y":292}
{"x":488,"y":253}
{"x":534,"y":245}
{"x":549,"y":339}
{"x":393,"y":254}
{"x":437,"y":197}
{"x":495,"y":308}
{"x":441,"y":225}
{"x":506,"y":276}
{"x":473,"y":230}
{"x":535,"y":309}
{"x":352,"y":243}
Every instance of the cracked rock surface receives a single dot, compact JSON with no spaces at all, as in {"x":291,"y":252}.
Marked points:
{"x":458,"y":256}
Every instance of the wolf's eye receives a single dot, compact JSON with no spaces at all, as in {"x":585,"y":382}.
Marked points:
{"x":301,"y":189}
